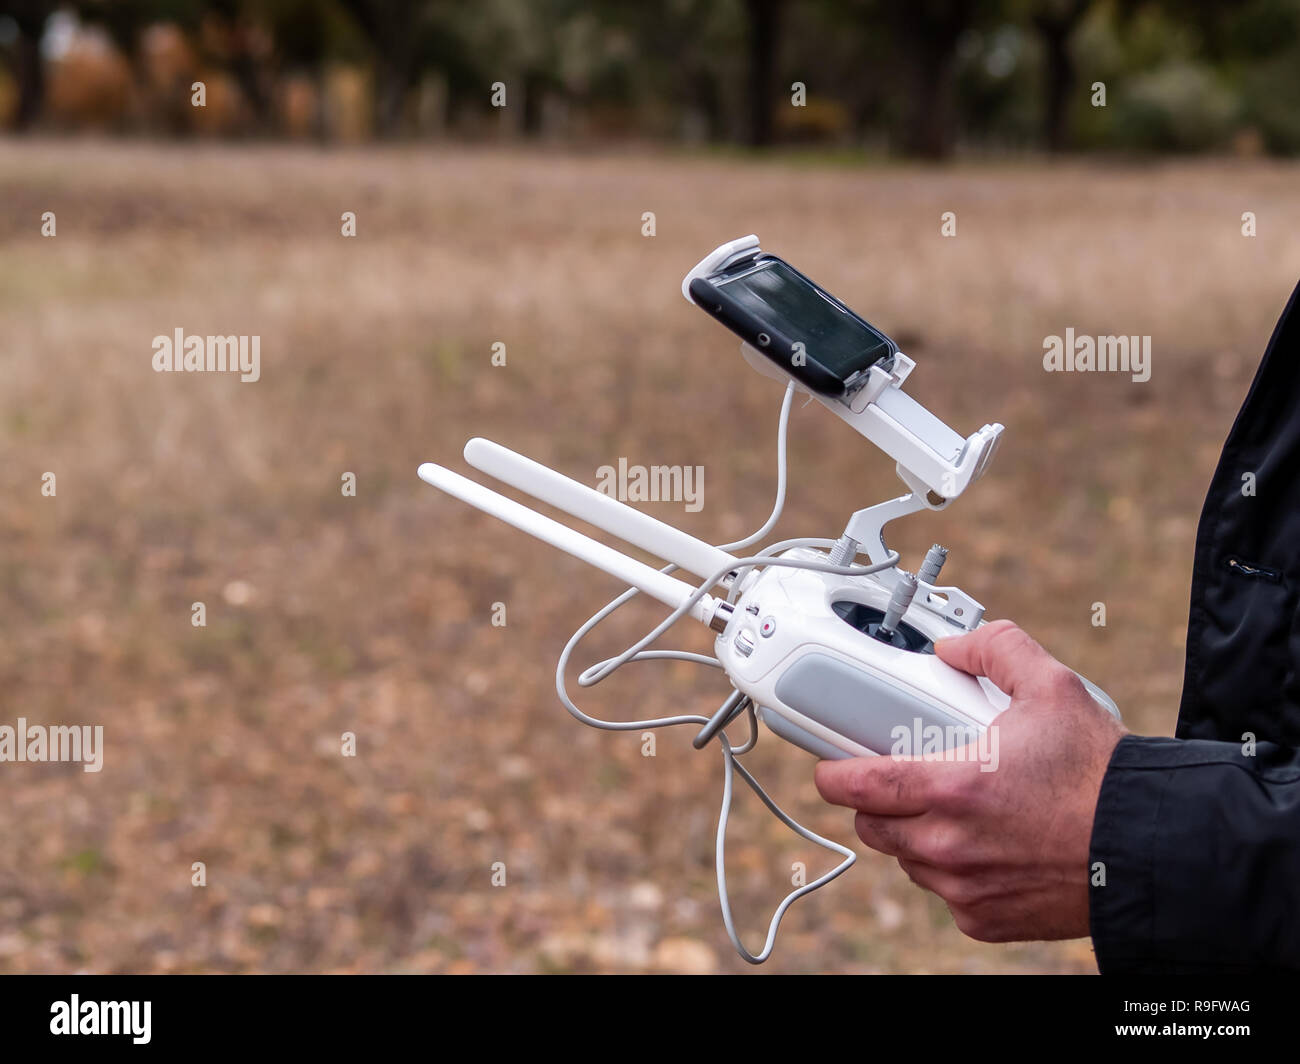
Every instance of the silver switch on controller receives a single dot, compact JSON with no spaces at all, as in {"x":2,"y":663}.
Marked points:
{"x":934,"y":559}
{"x":904,"y":592}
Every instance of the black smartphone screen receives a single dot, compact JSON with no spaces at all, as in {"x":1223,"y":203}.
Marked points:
{"x":779,"y":297}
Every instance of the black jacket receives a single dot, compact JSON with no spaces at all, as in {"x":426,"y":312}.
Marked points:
{"x":1199,"y":836}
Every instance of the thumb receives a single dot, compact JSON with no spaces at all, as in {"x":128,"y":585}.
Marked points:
{"x":1004,"y":653}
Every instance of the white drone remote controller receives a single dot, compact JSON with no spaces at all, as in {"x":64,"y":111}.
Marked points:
{"x":835,"y":657}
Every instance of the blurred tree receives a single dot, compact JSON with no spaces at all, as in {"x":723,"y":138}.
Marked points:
{"x":125,"y":22}
{"x":1268,"y":38}
{"x":928,"y":30}
{"x":239,"y":35}
{"x":684,"y":58}
{"x":999,"y":86}
{"x":1249,"y":49}
{"x":306,"y":34}
{"x":394,"y":29}
{"x":1056,"y":21}
{"x":29,"y":17}
{"x":764,"y":19}
{"x":523,"y":44}
{"x":234,"y":32}
{"x":843,"y":52}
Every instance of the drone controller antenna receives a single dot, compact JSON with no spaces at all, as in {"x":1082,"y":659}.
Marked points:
{"x":904,"y":591}
{"x":934,"y":559}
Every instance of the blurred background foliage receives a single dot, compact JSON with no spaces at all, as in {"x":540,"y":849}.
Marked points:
{"x":923,"y":78}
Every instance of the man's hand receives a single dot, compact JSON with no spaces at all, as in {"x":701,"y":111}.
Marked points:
{"x":1007,"y":849}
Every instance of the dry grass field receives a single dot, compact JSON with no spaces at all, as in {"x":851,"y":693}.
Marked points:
{"x":372,"y":614}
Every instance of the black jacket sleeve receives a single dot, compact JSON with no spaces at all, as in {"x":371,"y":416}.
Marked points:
{"x":1195,"y":858}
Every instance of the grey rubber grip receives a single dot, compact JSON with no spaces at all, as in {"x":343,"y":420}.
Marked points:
{"x":857,"y":705}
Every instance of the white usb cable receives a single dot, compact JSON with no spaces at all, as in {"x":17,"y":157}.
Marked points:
{"x":734,"y":704}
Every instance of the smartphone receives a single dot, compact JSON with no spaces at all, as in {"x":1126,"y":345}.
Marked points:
{"x":795,"y":323}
